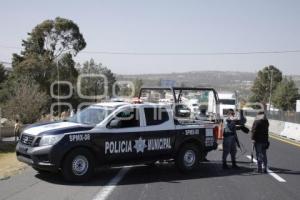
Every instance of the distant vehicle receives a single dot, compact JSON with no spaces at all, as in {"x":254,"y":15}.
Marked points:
{"x":182,"y":110}
{"x":227,"y":101}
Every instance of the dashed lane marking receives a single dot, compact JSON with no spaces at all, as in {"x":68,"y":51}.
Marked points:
{"x":270,"y":172}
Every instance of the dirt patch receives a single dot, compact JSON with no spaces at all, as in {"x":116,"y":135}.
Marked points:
{"x":9,"y":165}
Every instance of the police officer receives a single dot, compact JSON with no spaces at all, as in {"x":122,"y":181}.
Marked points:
{"x":260,"y":137}
{"x":229,"y":140}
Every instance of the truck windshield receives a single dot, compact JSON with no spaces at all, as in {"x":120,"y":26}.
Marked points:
{"x":91,"y":115}
{"x":227,"y":101}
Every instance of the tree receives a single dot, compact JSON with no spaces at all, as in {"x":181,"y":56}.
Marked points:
{"x":265,"y":83}
{"x":25,"y":101}
{"x":38,"y":68}
{"x":285,"y":95}
{"x":3,"y":75}
{"x":138,"y":83}
{"x":93,"y":86}
{"x":67,"y":72}
{"x":53,"y":38}
{"x":49,"y":49}
{"x":127,"y":90}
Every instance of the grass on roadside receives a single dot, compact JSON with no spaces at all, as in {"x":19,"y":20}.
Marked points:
{"x":9,"y":165}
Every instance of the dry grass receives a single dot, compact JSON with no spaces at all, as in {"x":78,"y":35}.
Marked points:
{"x":9,"y":165}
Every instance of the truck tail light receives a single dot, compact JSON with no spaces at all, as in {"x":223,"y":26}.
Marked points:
{"x":218,"y":132}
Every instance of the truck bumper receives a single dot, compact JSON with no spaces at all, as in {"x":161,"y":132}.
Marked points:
{"x":37,"y":157}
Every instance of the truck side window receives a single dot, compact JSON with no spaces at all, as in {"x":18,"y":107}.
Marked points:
{"x":129,"y":118}
{"x":155,"y":116}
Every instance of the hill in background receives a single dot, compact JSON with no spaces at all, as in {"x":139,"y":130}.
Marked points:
{"x":220,"y":80}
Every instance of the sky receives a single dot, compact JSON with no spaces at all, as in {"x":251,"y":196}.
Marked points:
{"x":167,"y":27}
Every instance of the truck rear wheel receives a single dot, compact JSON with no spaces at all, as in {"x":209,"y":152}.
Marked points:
{"x":188,"y":158}
{"x":78,"y":166}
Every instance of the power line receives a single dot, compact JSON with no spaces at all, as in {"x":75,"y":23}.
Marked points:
{"x":179,"y":53}
{"x":190,"y":53}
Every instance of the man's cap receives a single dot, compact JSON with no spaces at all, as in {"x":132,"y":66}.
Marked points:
{"x":230,"y":111}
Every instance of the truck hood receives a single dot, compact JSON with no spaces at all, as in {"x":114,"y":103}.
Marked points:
{"x":55,"y":128}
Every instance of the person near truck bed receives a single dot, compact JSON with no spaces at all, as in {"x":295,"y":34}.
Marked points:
{"x":203,"y":117}
{"x":260,"y":137}
{"x":229,"y":141}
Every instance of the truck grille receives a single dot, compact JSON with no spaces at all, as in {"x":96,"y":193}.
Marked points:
{"x":27,"y":139}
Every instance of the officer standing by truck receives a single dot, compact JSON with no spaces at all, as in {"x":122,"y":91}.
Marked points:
{"x":229,"y":141}
{"x":260,"y":137}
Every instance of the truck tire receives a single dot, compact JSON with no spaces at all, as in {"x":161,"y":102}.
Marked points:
{"x":78,"y":165}
{"x":188,"y":158}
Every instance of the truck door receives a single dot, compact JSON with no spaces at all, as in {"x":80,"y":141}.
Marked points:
{"x":158,"y":134}
{"x":119,"y":141}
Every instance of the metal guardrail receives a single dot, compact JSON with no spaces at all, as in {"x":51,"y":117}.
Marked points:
{"x":286,"y":116}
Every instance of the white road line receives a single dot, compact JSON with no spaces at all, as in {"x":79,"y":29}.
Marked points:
{"x":270,"y":172}
{"x":107,"y":190}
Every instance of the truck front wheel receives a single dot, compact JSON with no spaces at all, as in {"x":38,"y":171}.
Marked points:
{"x":78,"y":166}
{"x":188,"y":158}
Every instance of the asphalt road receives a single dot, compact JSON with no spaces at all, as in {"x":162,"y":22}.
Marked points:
{"x":165,"y":182}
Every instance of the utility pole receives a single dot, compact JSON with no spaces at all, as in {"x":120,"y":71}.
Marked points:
{"x":0,"y":126}
{"x":96,"y":84}
{"x":58,"y":87}
{"x":271,"y":85}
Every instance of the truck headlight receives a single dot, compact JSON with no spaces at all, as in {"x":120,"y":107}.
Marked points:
{"x":50,"y":139}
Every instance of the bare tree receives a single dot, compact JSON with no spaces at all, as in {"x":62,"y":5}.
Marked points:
{"x":25,"y":102}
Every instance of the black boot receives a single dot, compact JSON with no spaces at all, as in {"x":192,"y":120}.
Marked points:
{"x":265,"y":170}
{"x":259,"y":170}
{"x":225,"y":166}
{"x":234,"y":165}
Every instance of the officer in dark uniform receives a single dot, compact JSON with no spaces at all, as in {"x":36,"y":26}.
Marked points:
{"x":260,"y":137}
{"x":230,"y":139}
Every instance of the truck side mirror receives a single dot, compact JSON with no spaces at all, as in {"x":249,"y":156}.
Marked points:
{"x":115,"y":123}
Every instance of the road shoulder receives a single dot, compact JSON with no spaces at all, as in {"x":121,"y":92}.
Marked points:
{"x":9,"y":165}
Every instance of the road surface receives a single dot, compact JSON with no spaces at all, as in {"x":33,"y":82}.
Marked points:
{"x":165,"y":182}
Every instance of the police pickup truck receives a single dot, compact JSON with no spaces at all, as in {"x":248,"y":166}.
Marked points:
{"x":115,"y":133}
